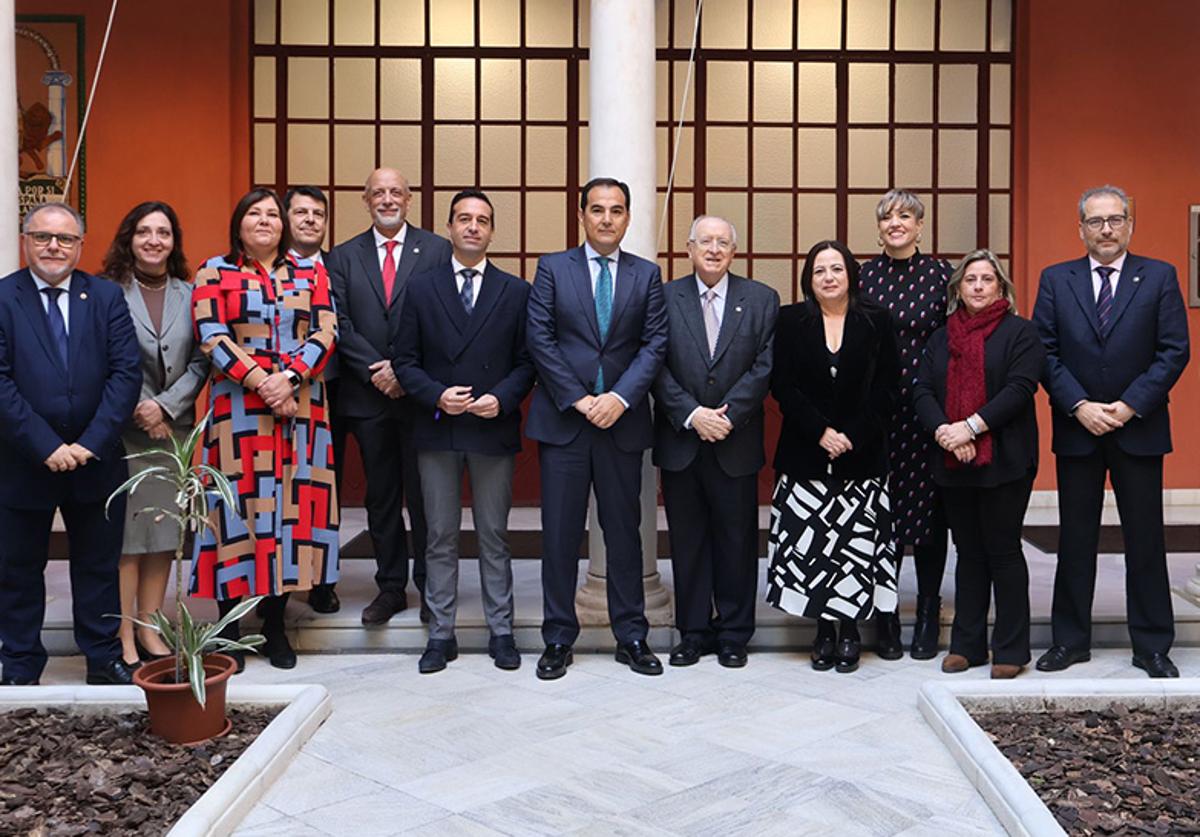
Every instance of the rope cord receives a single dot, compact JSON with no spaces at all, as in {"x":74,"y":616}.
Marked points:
{"x":687,"y":86}
{"x":112,"y":13}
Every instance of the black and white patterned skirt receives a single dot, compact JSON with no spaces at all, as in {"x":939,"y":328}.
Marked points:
{"x":831,"y":550}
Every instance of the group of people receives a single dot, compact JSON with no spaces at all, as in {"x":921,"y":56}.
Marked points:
{"x":906,"y":389}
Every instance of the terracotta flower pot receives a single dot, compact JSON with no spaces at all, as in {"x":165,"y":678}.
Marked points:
{"x":174,"y":713}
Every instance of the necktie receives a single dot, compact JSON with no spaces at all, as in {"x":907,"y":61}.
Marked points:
{"x":711,"y":327}
{"x":604,"y":289}
{"x":1104,"y":300}
{"x":468,"y":289}
{"x":389,"y":273}
{"x":58,"y":327}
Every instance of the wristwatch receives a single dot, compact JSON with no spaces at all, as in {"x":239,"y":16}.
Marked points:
{"x":293,"y":376}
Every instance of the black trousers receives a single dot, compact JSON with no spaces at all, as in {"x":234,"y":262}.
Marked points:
{"x":94,"y":543}
{"x":569,"y":473}
{"x":393,"y":481}
{"x":712,"y":521}
{"x":1137,"y":482}
{"x":986,"y":524}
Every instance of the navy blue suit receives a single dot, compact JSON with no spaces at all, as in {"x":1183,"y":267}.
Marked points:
{"x":575,"y":456}
{"x":1136,"y":359}
{"x":42,"y":406}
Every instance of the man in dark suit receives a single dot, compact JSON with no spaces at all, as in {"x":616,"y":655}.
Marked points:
{"x":462,"y":358}
{"x":307,"y":211}
{"x":598,"y":334}
{"x":708,"y":441}
{"x":70,"y":376}
{"x":369,"y":275}
{"x":1116,"y":341}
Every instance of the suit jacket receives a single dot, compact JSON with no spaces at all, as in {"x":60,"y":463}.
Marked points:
{"x":43,"y":405}
{"x":564,"y":340}
{"x":858,"y":402}
{"x":738,"y":374}
{"x":368,"y":325}
{"x":440,"y":346}
{"x":184,"y":364}
{"x":1013,"y":357}
{"x":1137,"y":359}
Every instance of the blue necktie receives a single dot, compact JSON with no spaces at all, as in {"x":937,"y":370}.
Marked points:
{"x":467,"y":292}
{"x":604,"y":290}
{"x":1104,"y":300}
{"x":58,"y":327}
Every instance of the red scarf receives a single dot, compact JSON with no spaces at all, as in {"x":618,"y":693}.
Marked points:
{"x":966,"y":383}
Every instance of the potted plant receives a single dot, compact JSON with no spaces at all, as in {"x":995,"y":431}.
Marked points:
{"x":185,"y":693}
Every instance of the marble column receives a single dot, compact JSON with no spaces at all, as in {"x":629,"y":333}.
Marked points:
{"x":621,"y":89}
{"x":9,"y":209}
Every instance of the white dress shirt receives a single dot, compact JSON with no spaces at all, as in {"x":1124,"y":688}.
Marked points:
{"x":718,"y":303}
{"x":1113,"y":278}
{"x":64,"y":299}
{"x":381,"y":241}
{"x":476,"y":283}
{"x":316,"y":257}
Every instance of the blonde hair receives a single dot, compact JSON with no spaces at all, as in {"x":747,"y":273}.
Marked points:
{"x":901,"y":199}
{"x":1007,"y":289}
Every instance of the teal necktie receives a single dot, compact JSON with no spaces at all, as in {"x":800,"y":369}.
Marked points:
{"x":604,"y":290}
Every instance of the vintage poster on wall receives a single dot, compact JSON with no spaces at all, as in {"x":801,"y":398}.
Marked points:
{"x":50,"y":93}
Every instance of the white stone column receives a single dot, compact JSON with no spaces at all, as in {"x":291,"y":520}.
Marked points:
{"x":9,"y":209}
{"x":621,"y":89}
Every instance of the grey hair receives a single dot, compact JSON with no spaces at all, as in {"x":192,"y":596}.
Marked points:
{"x":899,"y":199}
{"x":1007,"y":288}
{"x":1106,"y":189}
{"x":699,"y":218}
{"x":59,"y":205}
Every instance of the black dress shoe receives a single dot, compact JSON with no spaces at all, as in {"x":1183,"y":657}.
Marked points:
{"x":638,"y":656}
{"x":554,"y":661}
{"x":112,"y":673}
{"x":1155,"y":665}
{"x":278,"y":650}
{"x":145,"y":656}
{"x":824,"y":650}
{"x":926,"y":628}
{"x":323,"y":598}
{"x":887,"y":636}
{"x":503,"y":649}
{"x":731,"y":654}
{"x":17,"y":681}
{"x":689,"y":651}
{"x":847,"y":654}
{"x":386,"y":605}
{"x":438,"y":652}
{"x":1060,"y":657}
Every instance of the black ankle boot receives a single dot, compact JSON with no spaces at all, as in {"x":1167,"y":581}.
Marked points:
{"x":824,"y":646}
{"x":848,"y":648}
{"x":887,"y":636}
{"x":927,"y":628}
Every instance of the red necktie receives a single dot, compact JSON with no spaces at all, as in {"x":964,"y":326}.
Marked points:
{"x":389,"y":273}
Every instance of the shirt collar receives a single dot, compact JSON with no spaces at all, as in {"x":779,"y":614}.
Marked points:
{"x":459,"y":267}
{"x":381,"y":239}
{"x":315,"y":258}
{"x":1116,"y":265}
{"x":64,"y":285}
{"x":721,"y":287}
{"x":591,"y":253}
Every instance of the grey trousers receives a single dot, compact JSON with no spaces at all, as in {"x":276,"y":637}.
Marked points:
{"x":491,"y":492}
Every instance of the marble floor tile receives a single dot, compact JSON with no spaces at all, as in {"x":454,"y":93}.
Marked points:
{"x":545,"y":810}
{"x":453,"y":826}
{"x":282,"y":827}
{"x":310,"y":782}
{"x":379,"y":814}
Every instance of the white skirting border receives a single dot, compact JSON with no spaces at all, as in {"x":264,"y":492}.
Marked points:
{"x":1012,"y":800}
{"x":1171,"y":497}
{"x":223,"y":806}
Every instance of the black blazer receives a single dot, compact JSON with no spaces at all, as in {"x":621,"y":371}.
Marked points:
{"x":1013,"y":356}
{"x":858,"y":403}
{"x":440,"y":346}
{"x":368,"y":327}
{"x":738,"y":374}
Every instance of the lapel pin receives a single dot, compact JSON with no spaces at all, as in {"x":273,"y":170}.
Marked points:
{"x":738,"y":309}
{"x":416,"y":250}
{"x":84,"y":296}
{"x":1136,"y":279}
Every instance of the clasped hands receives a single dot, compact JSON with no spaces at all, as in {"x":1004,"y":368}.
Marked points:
{"x":835,"y":443}
{"x":957,"y":438}
{"x":276,"y":392}
{"x":601,"y":410}
{"x":68,"y":457}
{"x":384,"y":379}
{"x":150,"y":417}
{"x":712,"y":425}
{"x":1100,"y":418}
{"x":455,"y":401}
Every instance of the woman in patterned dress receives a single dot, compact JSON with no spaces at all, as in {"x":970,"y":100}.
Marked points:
{"x":267,"y":323}
{"x":835,"y":378}
{"x":912,"y":286}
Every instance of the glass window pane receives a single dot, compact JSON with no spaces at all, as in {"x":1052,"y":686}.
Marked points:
{"x":264,"y":87}
{"x":726,"y":157}
{"x":964,"y":25}
{"x":772,"y":91}
{"x":773,"y":223}
{"x":584,"y":172}
{"x":914,"y":159}
{"x":681,"y":75}
{"x":545,"y":221}
{"x":507,"y":264}
{"x":914,"y":24}
{"x":682,"y":222}
{"x":772,"y":25}
{"x":998,"y":159}
{"x":308,"y":88}
{"x":546,"y":156}
{"x":353,"y":153}
{"x":304,"y":21}
{"x":452,"y":23}
{"x":454,"y":155}
{"x":264,"y":21}
{"x":816,"y":220}
{"x":506,"y":208}
{"x":548,"y":24}
{"x":1002,"y":25}
{"x":662,"y":96}
{"x":500,"y":88}
{"x":264,"y":153}
{"x":868,"y":158}
{"x":818,"y":93}
{"x":777,"y":274}
{"x":349,"y":215}
{"x":662,"y":28}
{"x":400,"y":148}
{"x":772,"y":156}
{"x":723,"y":24}
{"x":499,"y":155}
{"x":868,"y":92}
{"x":1000,"y":95}
{"x":685,"y":167}
{"x":354,"y":22}
{"x":958,"y":154}
{"x":308,"y":154}
{"x":454,"y":88}
{"x":402,"y":23}
{"x":400,"y":88}
{"x":820,"y":24}
{"x":584,"y":101}
{"x":817,"y":152}
{"x":959,"y":93}
{"x":732,"y":207}
{"x":957,"y":222}
{"x":546,"y":90}
{"x":867,"y":23}
{"x":727,"y":89}
{"x":998,"y":236}
{"x":862,"y":229}
{"x":914,"y":93}
{"x":354,"y":88}
{"x":685,"y":16}
{"x":499,"y":23}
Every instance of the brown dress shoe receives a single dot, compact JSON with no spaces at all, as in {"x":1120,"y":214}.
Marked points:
{"x":1003,"y":671}
{"x":954,"y":663}
{"x":386,"y":605}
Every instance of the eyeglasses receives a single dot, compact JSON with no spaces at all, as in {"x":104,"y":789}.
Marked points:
{"x":43,"y":239}
{"x":1115,"y":222}
{"x":706,"y":242}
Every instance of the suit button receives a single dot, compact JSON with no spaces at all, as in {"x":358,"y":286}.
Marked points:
{"x":712,"y":380}
{"x":166,"y":348}
{"x":168,"y":368}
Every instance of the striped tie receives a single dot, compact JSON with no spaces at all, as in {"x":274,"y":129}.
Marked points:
{"x":1104,"y":299}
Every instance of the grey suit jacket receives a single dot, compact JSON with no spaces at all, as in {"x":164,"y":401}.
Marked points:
{"x":737,"y":374}
{"x":184,"y":365}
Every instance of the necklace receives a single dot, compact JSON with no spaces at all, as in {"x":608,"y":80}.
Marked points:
{"x":157,"y":283}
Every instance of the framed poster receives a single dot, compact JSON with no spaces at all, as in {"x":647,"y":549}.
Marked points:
{"x":50,"y":94}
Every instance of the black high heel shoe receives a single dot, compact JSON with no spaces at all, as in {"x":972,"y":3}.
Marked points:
{"x":145,"y":656}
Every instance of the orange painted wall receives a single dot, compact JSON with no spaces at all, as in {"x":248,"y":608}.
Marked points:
{"x":1106,"y":93}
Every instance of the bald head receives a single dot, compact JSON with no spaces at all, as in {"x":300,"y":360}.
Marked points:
{"x":387,"y":197}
